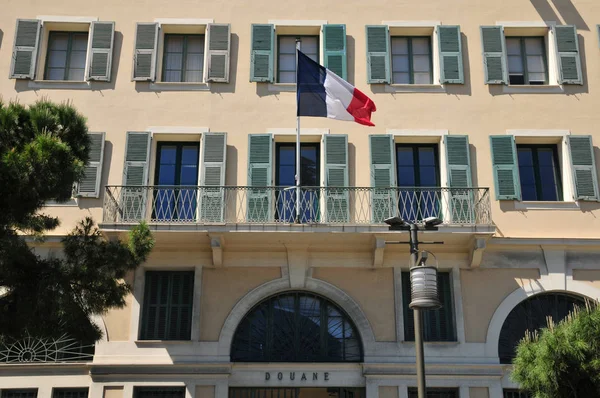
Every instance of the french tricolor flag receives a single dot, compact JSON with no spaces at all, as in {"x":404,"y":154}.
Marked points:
{"x":322,"y":93}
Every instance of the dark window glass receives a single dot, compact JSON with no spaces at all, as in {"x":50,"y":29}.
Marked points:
{"x":531,"y":315}
{"x":539,"y":172}
{"x":177,"y":172}
{"x":19,"y":392}
{"x":183,"y":59}
{"x":167,"y":311}
{"x":417,"y":170}
{"x":285,"y":173}
{"x":286,"y":55}
{"x":512,"y":393}
{"x":435,"y":392}
{"x":70,"y":392}
{"x":527,"y":60}
{"x":66,"y":56}
{"x":438,"y":325}
{"x":296,"y":327}
{"x":158,"y":392}
{"x":411,"y":60}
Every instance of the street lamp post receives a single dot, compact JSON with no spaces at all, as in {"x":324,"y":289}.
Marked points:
{"x":423,"y":286}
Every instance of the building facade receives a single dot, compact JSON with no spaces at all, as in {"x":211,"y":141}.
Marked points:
{"x":485,"y":119}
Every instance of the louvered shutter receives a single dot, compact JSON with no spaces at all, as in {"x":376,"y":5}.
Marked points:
{"x":179,"y":311}
{"x":336,"y":175}
{"x":155,"y":303}
{"x":451,"y":59}
{"x":262,"y":53}
{"x":334,"y":44}
{"x":378,"y":54}
{"x":144,"y":58}
{"x":583,"y":166}
{"x":569,"y":59}
{"x":25,"y":49}
{"x":383,"y":177}
{"x":100,"y":54}
{"x":219,"y":45}
{"x":494,"y":55}
{"x":214,"y":149}
{"x":458,"y":165}
{"x":407,"y":313}
{"x":89,"y":185}
{"x":260,"y":175}
{"x":505,"y":166}
{"x":135,"y":176}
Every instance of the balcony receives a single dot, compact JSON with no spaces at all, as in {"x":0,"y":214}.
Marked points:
{"x":201,"y":207}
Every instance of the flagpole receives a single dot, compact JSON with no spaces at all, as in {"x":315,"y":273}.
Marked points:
{"x":298,"y":182}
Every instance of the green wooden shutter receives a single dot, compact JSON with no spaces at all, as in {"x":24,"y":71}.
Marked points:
{"x":378,"y":54}
{"x":583,"y":166}
{"x":334,"y":45}
{"x":506,"y":168}
{"x":135,"y":176}
{"x":100,"y":54}
{"x":214,"y":149}
{"x":260,"y":175}
{"x":383,"y":176}
{"x":144,"y":58}
{"x":336,"y":175}
{"x":218,"y":55}
{"x":569,"y":59}
{"x":458,"y":165}
{"x":451,"y":59}
{"x":179,"y":323}
{"x":25,"y":49}
{"x":89,"y":185}
{"x":407,"y":313}
{"x":494,"y":55}
{"x":262,"y":58}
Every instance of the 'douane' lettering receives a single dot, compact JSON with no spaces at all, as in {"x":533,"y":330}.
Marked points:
{"x":292,"y":375}
{"x":326,"y":374}
{"x":267,"y":376}
{"x":315,"y":376}
{"x":303,"y":377}
{"x":279,"y":376}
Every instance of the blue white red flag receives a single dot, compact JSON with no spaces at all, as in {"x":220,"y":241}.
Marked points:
{"x":322,"y":93}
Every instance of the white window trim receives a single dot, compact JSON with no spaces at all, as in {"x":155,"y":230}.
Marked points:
{"x":177,"y":130}
{"x":568,"y":203}
{"x":291,"y":87}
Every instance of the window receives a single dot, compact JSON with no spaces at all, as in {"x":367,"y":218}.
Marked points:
{"x":158,"y":392}
{"x":434,"y":392}
{"x":183,"y":58}
{"x":512,"y":393}
{"x":527,"y":62}
{"x":411,"y":60}
{"x":70,"y":392}
{"x":66,"y":56}
{"x":286,"y":55}
{"x":296,"y":327}
{"x":438,"y":325}
{"x":539,"y":172}
{"x":19,"y":392}
{"x":167,"y":311}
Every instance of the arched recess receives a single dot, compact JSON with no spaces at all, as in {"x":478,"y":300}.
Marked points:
{"x":542,"y":285}
{"x":328,"y":291}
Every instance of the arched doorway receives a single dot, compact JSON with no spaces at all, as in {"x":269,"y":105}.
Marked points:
{"x":296,"y":327}
{"x":530,"y":315}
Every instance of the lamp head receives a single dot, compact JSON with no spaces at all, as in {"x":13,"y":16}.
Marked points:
{"x":432,"y":221}
{"x":394,"y":221}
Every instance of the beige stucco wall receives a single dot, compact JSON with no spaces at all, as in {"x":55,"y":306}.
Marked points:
{"x":478,"y":392}
{"x":205,"y":391}
{"x":591,"y":277}
{"x":117,"y":320}
{"x":373,"y":290}
{"x":221,"y":290}
{"x":113,"y":392}
{"x":482,"y":292}
{"x":388,"y":392}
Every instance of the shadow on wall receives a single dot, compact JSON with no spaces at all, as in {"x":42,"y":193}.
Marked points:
{"x":351,"y":59}
{"x":474,"y":175}
{"x":231,"y":172}
{"x":23,"y":85}
{"x":352,"y":165}
{"x":1,"y":37}
{"x":568,"y":13}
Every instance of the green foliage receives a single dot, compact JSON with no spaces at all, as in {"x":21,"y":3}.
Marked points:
{"x":43,"y":151}
{"x":562,"y":360}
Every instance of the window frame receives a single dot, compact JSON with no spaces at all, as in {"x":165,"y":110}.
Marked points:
{"x":179,"y":145}
{"x":515,"y":393}
{"x":183,"y":56}
{"x":278,"y":145}
{"x":524,"y":60}
{"x":278,"y":40}
{"x":411,"y":77}
{"x":6,"y":392}
{"x":536,"y":170}
{"x":68,"y":56}
{"x":57,"y":390}
{"x":415,"y":147}
{"x":151,"y":389}
{"x":436,"y":391}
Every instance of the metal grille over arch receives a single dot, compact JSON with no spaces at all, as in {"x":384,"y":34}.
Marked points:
{"x":531,"y":315}
{"x":296,"y":327}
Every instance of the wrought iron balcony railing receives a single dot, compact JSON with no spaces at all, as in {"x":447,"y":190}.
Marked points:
{"x":318,"y":205}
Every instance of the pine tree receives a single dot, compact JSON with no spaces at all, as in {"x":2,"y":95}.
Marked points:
{"x":43,"y":151}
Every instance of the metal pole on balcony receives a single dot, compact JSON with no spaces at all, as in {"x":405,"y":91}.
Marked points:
{"x":298,"y":193}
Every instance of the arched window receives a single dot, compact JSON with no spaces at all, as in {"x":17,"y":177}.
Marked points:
{"x":531,"y":314}
{"x":296,"y":327}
